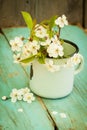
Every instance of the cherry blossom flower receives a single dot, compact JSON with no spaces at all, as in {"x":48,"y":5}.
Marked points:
{"x":16,"y":44}
{"x":55,"y":50}
{"x":25,"y":90}
{"x":29,"y":97}
{"x":15,"y":95}
{"x":51,"y":67}
{"x":40,"y":31}
{"x":76,"y":59}
{"x":34,"y":47}
{"x":55,"y":40}
{"x":20,"y":94}
{"x":26,"y":52}
{"x":46,"y":42}
{"x":61,"y":21}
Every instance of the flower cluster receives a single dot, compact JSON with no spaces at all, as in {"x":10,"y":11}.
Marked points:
{"x":22,"y":94}
{"x":74,"y":60}
{"x":43,"y":42}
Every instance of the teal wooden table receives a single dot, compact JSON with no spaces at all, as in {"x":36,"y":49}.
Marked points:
{"x":69,"y":113}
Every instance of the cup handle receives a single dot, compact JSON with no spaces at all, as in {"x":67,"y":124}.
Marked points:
{"x":80,"y":65}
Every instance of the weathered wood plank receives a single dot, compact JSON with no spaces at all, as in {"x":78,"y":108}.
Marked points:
{"x":47,"y":8}
{"x":10,"y":11}
{"x":74,"y":106}
{"x":33,"y":117}
{"x":85,"y":22}
{"x":10,"y":73}
{"x":39,"y":9}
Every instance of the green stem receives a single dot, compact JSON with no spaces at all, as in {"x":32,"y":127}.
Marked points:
{"x":59,"y":32}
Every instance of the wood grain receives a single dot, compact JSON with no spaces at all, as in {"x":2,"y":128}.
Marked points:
{"x":71,"y":110}
{"x":33,"y":117}
{"x":47,"y":8}
{"x":10,"y":10}
{"x":74,"y":106}
{"x":85,"y":13}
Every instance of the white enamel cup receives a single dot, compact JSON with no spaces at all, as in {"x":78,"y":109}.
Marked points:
{"x":56,"y":84}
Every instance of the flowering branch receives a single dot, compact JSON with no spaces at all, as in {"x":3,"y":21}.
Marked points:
{"x":44,"y":41}
{"x":20,"y":94}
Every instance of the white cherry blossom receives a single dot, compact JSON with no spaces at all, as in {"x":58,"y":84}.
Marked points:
{"x":22,"y":94}
{"x":34,"y":47}
{"x":28,"y":97}
{"x":16,"y":44}
{"x":55,"y":40}
{"x":15,"y":95}
{"x":61,"y":21}
{"x":55,"y":50}
{"x":25,"y":90}
{"x":26,"y":52}
{"x":40,"y":31}
{"x":46,"y":42}
{"x":51,"y":67}
{"x":76,"y":59}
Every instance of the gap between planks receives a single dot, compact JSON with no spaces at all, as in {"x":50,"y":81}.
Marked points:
{"x":48,"y":113}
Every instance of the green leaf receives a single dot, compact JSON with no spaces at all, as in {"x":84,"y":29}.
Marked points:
{"x":46,"y":22}
{"x":52,"y":21}
{"x":27,"y":60}
{"x":28,"y":19}
{"x":41,"y":60}
{"x":51,"y":25}
{"x":34,"y":22}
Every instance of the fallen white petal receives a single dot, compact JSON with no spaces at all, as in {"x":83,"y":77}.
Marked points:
{"x":63,"y":115}
{"x":20,"y":110}
{"x":54,"y":112}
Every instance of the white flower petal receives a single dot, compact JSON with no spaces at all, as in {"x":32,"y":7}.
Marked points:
{"x":76,"y":59}
{"x":63,"y":115}
{"x":55,"y":50}
{"x":51,"y":67}
{"x":54,"y":112}
{"x":61,"y":21}
{"x":16,"y":44}
{"x":28,"y":97}
{"x":34,"y":47}
{"x":20,"y":110}
{"x":40,"y":31}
